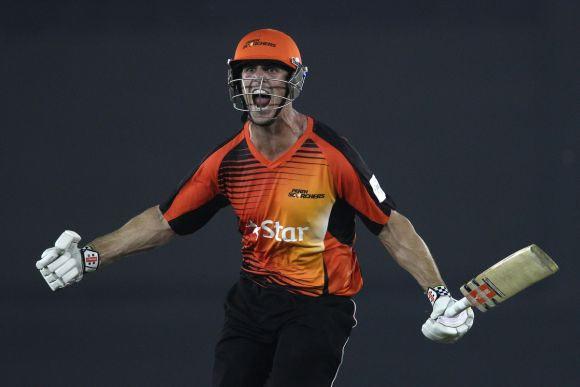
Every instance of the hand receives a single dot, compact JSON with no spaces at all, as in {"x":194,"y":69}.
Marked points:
{"x":65,"y":264}
{"x":445,"y":329}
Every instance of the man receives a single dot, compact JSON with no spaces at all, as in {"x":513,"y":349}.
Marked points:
{"x":295,"y":186}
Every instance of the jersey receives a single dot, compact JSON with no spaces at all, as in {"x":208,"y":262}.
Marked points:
{"x":296,"y":214}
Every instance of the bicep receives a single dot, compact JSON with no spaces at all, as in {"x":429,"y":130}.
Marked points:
{"x":196,"y":199}
{"x":191,"y":211}
{"x":361,"y":189}
{"x":353,"y":181}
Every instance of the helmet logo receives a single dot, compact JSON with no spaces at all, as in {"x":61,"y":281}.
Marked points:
{"x":258,"y":42}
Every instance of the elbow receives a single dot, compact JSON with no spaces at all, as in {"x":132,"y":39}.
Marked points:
{"x":164,"y":226}
{"x":398,"y":232}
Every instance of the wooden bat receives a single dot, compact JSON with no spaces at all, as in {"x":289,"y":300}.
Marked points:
{"x":505,"y":279}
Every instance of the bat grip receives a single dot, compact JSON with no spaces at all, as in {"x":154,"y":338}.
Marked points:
{"x":458,"y":307}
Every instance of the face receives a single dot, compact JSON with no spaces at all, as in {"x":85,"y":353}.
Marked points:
{"x":264,"y":81}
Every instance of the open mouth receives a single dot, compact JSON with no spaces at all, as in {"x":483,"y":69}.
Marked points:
{"x":261,"y":98}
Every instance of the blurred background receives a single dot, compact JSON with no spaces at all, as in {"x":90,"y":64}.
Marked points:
{"x":467,"y":112}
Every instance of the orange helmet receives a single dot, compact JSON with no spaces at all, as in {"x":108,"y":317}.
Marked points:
{"x":270,"y":45}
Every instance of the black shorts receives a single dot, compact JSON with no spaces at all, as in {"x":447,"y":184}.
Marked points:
{"x":275,"y":338}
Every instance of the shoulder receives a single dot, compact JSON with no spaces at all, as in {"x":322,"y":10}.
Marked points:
{"x":348,"y":165}
{"x":336,"y":146}
{"x":326,"y":133}
{"x":216,"y":156}
{"x":207,"y":168}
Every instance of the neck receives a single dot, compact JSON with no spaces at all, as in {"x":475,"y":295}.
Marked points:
{"x":289,"y":120}
{"x":276,"y":138}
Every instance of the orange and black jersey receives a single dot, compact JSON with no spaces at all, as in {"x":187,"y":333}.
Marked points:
{"x":296,"y":213}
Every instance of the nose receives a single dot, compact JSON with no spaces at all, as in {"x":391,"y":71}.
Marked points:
{"x":259,"y":78}
{"x":260,"y":72}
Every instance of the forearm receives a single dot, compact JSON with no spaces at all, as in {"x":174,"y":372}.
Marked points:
{"x":410,"y":251}
{"x":143,"y":232}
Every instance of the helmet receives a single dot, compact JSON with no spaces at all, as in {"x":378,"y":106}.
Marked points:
{"x":270,"y":45}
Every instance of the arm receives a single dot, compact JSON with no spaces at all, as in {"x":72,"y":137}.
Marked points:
{"x":410,"y":251}
{"x":143,"y":232}
{"x":195,"y":201}
{"x":65,"y":264}
{"x":360,"y":188}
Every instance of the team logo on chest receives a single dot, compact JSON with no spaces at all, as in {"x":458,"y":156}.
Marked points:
{"x":300,"y":193}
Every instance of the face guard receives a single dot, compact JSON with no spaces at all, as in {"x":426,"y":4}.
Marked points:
{"x":242,"y":90}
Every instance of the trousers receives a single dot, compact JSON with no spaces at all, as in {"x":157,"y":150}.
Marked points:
{"x":275,"y":338}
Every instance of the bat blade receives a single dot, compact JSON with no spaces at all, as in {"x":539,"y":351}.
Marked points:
{"x":505,"y":279}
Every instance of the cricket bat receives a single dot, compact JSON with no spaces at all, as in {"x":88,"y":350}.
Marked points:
{"x":505,"y":279}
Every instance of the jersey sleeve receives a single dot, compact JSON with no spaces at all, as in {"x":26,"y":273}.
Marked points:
{"x":197,"y":198}
{"x":355,"y":183}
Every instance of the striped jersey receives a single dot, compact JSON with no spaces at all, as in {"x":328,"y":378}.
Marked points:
{"x":296,"y":214}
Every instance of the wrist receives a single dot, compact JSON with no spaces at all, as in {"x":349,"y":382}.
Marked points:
{"x":90,"y":259}
{"x":435,"y":292}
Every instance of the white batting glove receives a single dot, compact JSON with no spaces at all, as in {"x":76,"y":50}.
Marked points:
{"x":445,"y":329}
{"x":65,"y":264}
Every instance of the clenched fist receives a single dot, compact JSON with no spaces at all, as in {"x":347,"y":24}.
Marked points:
{"x":438,"y":326}
{"x":65,"y":263}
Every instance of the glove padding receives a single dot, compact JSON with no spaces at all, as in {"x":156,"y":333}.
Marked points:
{"x":62,"y":265}
{"x":445,"y":329}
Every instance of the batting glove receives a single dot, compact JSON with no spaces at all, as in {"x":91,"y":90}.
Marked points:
{"x":444,"y":329}
{"x":65,"y":264}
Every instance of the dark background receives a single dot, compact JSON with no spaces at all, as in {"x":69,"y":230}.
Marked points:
{"x":467,"y":111}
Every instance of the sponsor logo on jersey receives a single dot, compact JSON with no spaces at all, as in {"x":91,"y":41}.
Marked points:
{"x":251,"y":231}
{"x":274,"y":230}
{"x":258,"y":42}
{"x":300,"y":193}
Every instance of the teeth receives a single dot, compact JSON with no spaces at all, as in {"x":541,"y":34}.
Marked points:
{"x":259,"y":91}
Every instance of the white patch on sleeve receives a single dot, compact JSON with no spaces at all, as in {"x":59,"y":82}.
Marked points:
{"x":379,"y":193}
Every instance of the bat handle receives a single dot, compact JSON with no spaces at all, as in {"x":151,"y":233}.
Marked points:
{"x":458,"y":307}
